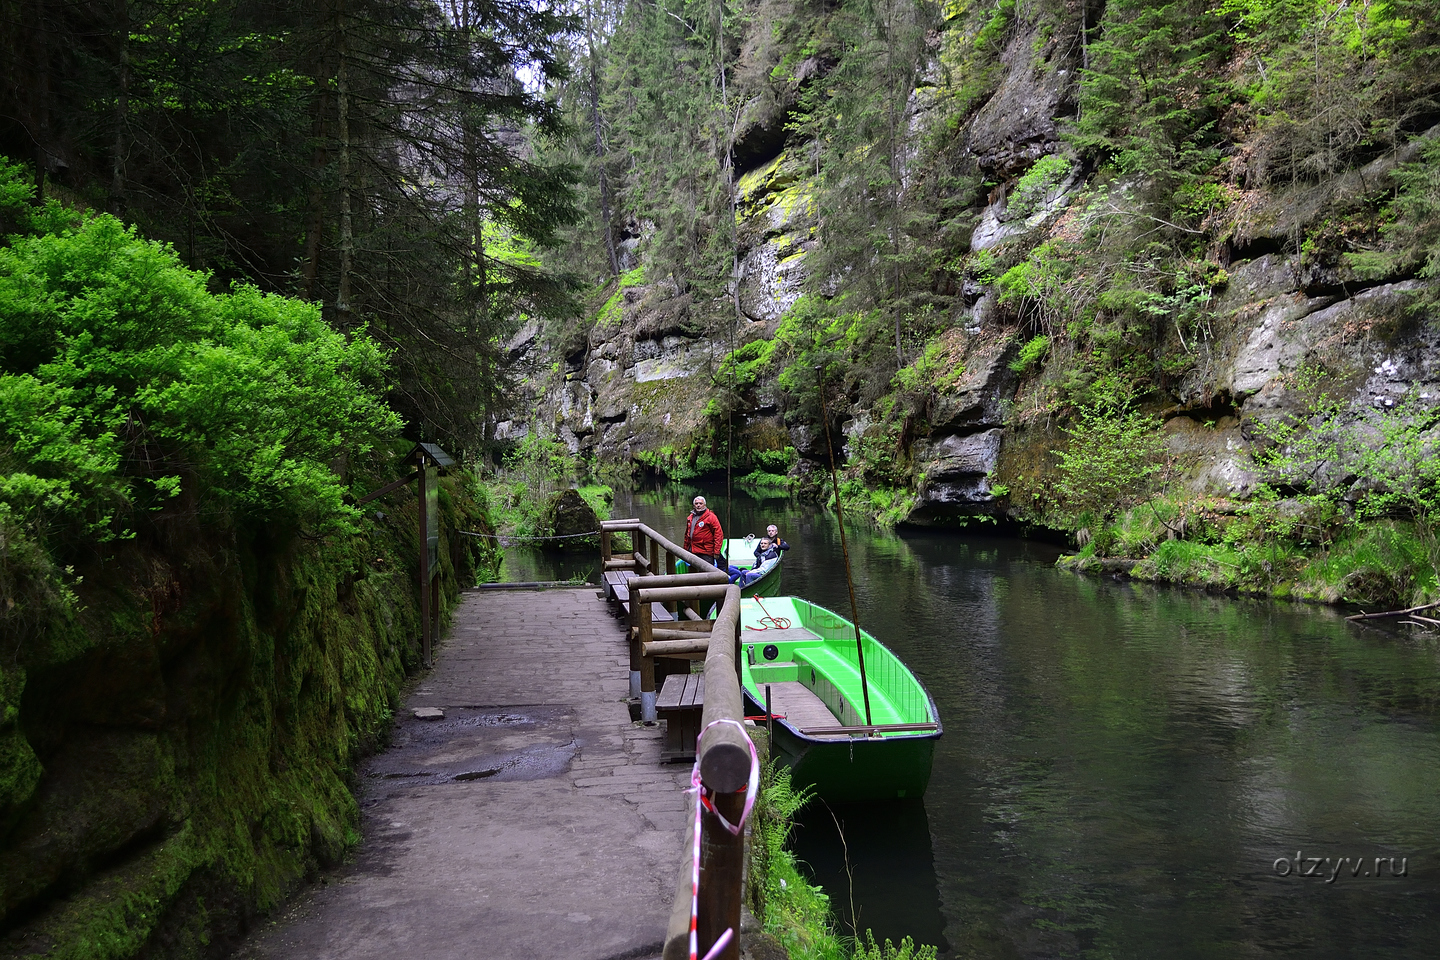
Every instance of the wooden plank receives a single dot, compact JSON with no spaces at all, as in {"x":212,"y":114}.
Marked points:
{"x":695,"y":691}
{"x":672,"y":692}
{"x":658,"y":613}
{"x":799,"y":705}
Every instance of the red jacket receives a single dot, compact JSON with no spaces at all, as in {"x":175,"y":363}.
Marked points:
{"x":703,"y":534}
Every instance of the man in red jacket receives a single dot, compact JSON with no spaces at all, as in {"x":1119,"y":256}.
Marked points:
{"x":703,"y":536}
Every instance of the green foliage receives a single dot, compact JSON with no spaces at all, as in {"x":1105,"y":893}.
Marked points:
{"x":866,"y":949}
{"x":937,"y":368}
{"x":789,"y":907}
{"x":1115,"y":456}
{"x":609,"y":315}
{"x":223,"y":135}
{"x":1411,"y":228}
{"x":1030,"y":193}
{"x":1330,"y":82}
{"x":125,"y":384}
{"x":1031,"y":354}
{"x":532,"y":473}
{"x":600,"y":496}
{"x":1151,"y":97}
{"x":743,"y":368}
{"x":1378,"y":461}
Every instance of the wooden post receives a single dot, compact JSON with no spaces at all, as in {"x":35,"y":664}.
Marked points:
{"x":724,"y":758}
{"x":722,"y":865}
{"x":632,"y":630}
{"x":435,"y":604}
{"x":605,"y":550}
{"x":672,"y":605}
{"x":647,"y":664}
{"x":724,"y":754}
{"x":424,"y":566}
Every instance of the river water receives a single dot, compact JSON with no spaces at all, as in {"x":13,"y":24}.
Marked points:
{"x":1126,"y":771}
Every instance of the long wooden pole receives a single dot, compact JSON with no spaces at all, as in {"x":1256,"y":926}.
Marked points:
{"x":844,"y":547}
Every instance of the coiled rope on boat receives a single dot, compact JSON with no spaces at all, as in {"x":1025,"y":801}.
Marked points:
{"x":768,"y":622}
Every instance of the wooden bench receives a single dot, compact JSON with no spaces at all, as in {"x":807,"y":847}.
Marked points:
{"x":617,"y":585}
{"x":680,"y":703}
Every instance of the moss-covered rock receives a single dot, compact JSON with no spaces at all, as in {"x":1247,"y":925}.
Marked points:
{"x":178,"y":764}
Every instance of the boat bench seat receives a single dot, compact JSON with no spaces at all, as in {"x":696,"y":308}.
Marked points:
{"x":846,"y":674}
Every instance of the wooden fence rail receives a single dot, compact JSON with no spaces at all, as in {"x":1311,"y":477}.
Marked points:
{"x":681,"y":596}
{"x":724,"y":753}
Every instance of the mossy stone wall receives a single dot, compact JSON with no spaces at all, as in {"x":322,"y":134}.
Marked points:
{"x":177,"y":756}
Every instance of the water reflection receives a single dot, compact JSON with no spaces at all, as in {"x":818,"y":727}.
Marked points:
{"x":1122,"y":765}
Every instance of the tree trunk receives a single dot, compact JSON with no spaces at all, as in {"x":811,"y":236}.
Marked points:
{"x":347,"y":229}
{"x":122,"y":107}
{"x":606,"y":230}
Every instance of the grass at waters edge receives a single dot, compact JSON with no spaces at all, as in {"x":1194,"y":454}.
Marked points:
{"x":791,"y":909}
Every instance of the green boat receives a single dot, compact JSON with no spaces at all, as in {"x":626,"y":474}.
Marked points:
{"x":759,"y":581}
{"x":741,"y":553}
{"x":805,"y":656}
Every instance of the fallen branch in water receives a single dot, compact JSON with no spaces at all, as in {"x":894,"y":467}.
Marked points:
{"x":1395,"y":613}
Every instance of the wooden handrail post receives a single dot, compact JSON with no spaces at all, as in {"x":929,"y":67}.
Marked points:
{"x":605,"y":549}
{"x":722,"y":865}
{"x":724,"y":754}
{"x":632,"y":630}
{"x":647,"y":664}
{"x":672,"y":605}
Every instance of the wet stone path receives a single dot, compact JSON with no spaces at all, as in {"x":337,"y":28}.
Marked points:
{"x":533,"y":821}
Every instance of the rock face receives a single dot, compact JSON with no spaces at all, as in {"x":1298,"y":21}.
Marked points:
{"x":639,"y":388}
{"x":568,"y":516}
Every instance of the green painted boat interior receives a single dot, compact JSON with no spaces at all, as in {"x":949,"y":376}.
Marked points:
{"x":818,"y":650}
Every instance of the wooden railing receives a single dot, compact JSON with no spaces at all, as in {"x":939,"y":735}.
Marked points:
{"x":724,"y":754}
{"x":687,"y":599}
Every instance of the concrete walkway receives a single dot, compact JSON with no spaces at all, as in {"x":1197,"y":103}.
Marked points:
{"x":534,"y":821}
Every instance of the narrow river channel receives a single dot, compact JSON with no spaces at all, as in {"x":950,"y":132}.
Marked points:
{"x":1126,"y":771}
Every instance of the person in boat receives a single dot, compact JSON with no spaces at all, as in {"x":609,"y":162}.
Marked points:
{"x":764,"y":551}
{"x":772,"y":533}
{"x":703,"y":536}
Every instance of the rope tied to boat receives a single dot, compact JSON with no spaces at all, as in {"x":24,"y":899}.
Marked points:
{"x":702,"y":803}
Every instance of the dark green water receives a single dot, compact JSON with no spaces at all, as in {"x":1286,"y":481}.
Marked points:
{"x":1123,"y":766}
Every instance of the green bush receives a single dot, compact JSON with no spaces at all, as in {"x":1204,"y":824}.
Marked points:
{"x":1049,"y":172}
{"x":1030,"y":354}
{"x":125,"y":382}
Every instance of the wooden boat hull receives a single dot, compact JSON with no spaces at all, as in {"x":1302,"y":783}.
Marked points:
{"x":806,"y":655}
